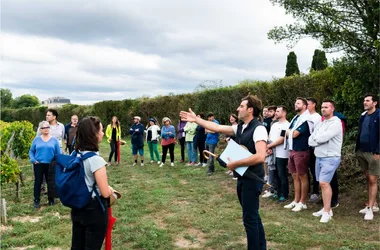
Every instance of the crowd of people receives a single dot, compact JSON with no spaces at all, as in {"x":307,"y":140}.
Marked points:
{"x":308,"y":148}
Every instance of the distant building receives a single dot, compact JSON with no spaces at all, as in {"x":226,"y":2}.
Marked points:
{"x":55,"y":102}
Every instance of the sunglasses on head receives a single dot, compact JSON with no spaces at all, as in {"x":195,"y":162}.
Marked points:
{"x":44,"y":127}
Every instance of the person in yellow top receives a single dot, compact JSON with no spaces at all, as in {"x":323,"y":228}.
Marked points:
{"x":113,"y":133}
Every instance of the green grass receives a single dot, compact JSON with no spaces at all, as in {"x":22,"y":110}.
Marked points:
{"x":181,"y":207}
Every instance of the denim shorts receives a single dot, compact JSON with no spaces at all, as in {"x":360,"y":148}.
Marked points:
{"x":325,"y":168}
{"x":135,"y":149}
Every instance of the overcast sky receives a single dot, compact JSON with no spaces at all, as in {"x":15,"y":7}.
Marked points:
{"x":89,"y":51}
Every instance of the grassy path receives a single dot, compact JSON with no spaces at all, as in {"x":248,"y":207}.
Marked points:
{"x":180,"y":207}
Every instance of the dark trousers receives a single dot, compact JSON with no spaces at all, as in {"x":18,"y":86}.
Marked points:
{"x":314,"y":183}
{"x":201,"y":146}
{"x":273,"y":179}
{"x":113,"y":150}
{"x":52,"y":192}
{"x":211,"y":148}
{"x":282,"y":177}
{"x":165,"y":152}
{"x":335,"y":189}
{"x":248,"y":192}
{"x":89,"y":226}
{"x":182,"y":143}
{"x":41,"y":170}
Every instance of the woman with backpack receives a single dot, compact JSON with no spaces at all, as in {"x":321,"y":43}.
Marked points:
{"x":113,"y":133}
{"x":41,"y":154}
{"x":90,"y":222}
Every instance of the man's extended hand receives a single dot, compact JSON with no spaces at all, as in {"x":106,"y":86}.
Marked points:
{"x":188,"y":116}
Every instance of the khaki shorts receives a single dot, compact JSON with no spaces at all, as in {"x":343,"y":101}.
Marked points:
{"x":368,"y":163}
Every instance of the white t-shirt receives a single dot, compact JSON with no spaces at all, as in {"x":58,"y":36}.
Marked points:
{"x":316,"y":118}
{"x":275,"y":134}
{"x":260,"y":133}
{"x":91,"y":165}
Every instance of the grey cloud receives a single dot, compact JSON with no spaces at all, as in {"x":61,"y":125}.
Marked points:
{"x":185,"y":42}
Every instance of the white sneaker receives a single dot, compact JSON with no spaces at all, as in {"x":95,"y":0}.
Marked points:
{"x":326,"y":217}
{"x":134,"y":164}
{"x":158,"y":162}
{"x":152,"y":161}
{"x":364,"y":210}
{"x":199,"y":164}
{"x":369,"y":214}
{"x":267,"y":195}
{"x":299,"y":206}
{"x":375,"y":208}
{"x":204,"y":165}
{"x":161,"y":165}
{"x":291,"y":205}
{"x":172,"y":164}
{"x":320,"y":213}
{"x":142,"y":164}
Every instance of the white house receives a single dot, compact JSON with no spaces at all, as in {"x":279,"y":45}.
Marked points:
{"x":55,"y":102}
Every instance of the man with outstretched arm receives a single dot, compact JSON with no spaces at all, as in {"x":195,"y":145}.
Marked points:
{"x":251,"y":134}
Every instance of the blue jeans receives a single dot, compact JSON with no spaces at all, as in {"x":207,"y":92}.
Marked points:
{"x":248,"y":192}
{"x":191,"y":153}
{"x":211,"y":148}
{"x":272,"y":179}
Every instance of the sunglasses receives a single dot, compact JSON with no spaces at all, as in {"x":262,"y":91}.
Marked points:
{"x":44,"y":127}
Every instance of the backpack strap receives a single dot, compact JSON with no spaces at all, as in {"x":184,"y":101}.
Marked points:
{"x":98,"y":196}
{"x":94,"y":190}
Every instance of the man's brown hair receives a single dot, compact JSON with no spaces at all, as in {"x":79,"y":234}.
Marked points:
{"x":303,"y":100}
{"x":254,"y":102}
{"x":272,"y":108}
{"x":283,"y":108}
{"x":330,"y":101}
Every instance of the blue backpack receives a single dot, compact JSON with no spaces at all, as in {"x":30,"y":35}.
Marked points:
{"x":70,"y":180}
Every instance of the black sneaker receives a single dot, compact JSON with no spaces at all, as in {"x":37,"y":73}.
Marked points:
{"x":36,"y":204}
{"x":335,"y":205}
{"x":210,"y":173}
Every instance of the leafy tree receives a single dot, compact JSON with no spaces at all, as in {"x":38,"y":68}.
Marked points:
{"x":352,"y":26}
{"x":25,"y":101}
{"x":319,"y":60}
{"x":5,"y":98}
{"x":292,"y":65}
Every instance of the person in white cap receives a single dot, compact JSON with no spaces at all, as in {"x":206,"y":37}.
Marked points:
{"x":137,"y":132}
{"x":168,"y":141}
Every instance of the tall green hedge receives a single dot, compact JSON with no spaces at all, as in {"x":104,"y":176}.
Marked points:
{"x":220,"y":101}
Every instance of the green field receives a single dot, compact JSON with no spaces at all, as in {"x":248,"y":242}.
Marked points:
{"x":182,"y":208}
